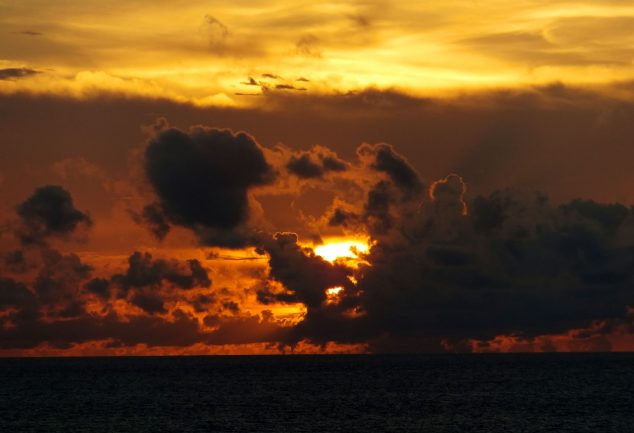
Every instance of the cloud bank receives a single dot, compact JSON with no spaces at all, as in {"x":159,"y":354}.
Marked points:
{"x":445,"y":270}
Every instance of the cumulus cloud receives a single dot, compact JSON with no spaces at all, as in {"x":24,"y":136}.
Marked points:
{"x":144,"y":271}
{"x":50,"y":211}
{"x":202,"y":180}
{"x":514,"y":264}
{"x":16,"y":295}
{"x":315,"y":163}
{"x":383,"y":158}
{"x":53,"y":305}
{"x":305,"y":275}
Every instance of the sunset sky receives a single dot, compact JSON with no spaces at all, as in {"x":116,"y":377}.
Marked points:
{"x":302,"y":177}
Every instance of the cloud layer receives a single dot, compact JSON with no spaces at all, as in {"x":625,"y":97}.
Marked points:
{"x":226,"y":56}
{"x":445,"y":270}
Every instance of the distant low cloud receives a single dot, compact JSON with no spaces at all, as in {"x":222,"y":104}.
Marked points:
{"x":17,"y":73}
{"x":29,"y":33}
{"x":288,"y":87}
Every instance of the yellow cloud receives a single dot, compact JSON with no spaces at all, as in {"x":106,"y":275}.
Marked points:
{"x":205,"y":52}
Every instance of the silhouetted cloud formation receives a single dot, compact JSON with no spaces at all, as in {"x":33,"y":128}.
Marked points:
{"x":386,"y":160}
{"x":513,"y":265}
{"x":315,"y":163}
{"x":14,"y":294}
{"x":305,"y":275}
{"x":50,"y":211}
{"x":202,"y":179}
{"x":448,"y":268}
{"x":59,"y":277}
{"x":13,"y":73}
{"x":442,"y":272}
{"x":153,"y":217}
{"x":99,"y":287}
{"x":144,"y":271}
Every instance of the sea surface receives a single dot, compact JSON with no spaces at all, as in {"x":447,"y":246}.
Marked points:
{"x":394,"y":393}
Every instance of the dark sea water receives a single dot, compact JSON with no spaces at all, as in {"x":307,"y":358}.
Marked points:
{"x":399,"y":393}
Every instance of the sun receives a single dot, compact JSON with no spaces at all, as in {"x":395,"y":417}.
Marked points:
{"x":349,"y":249}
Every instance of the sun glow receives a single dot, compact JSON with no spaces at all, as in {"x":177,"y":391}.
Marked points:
{"x":346,"y":250}
{"x":332,"y":294}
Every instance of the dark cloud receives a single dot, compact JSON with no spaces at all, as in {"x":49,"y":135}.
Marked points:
{"x":376,"y":212}
{"x":15,"y":73}
{"x":152,"y":216}
{"x":202,"y":303}
{"x":250,"y":82}
{"x":315,"y":163}
{"x":15,"y":294}
{"x":144,"y":271}
{"x":305,"y":275}
{"x":150,"y":330}
{"x":304,"y":167}
{"x":449,"y":193}
{"x":342,"y":217}
{"x":50,"y":211}
{"x":543,"y":138}
{"x":332,"y":163}
{"x":202,"y":178}
{"x":231,"y":306}
{"x":15,"y":262}
{"x":515,"y":264}
{"x":288,"y":87}
{"x":386,"y":160}
{"x":510,"y":264}
{"x":59,"y":278}
{"x":99,"y":287}
{"x":149,"y":302}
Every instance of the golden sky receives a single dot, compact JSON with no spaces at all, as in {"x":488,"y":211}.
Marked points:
{"x":207,"y":52}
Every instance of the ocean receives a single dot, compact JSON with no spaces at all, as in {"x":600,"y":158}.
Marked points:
{"x":358,"y":393}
